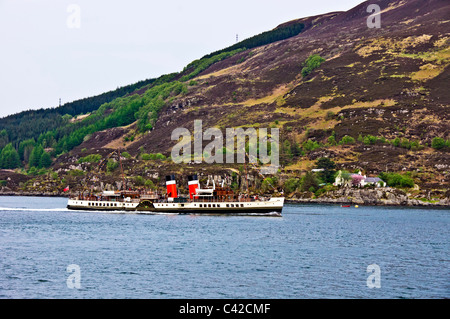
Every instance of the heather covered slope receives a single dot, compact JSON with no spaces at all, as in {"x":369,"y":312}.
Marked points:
{"x":388,"y":82}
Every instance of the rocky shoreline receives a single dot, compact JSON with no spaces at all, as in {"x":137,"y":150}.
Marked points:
{"x":37,"y":194}
{"x":385,"y":196}
{"x":350,"y":196}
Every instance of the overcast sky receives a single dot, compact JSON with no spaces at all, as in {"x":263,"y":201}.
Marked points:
{"x":53,"y":49}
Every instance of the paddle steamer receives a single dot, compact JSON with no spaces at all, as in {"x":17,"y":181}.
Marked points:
{"x":215,"y":200}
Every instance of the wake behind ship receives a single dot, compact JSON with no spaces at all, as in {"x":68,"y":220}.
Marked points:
{"x":217,"y":200}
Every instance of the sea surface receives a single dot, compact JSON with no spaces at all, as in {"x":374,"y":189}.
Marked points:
{"x":313,"y":251}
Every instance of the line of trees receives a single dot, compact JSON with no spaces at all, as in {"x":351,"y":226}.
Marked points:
{"x":32,"y":123}
{"x":264,"y":38}
{"x":30,"y":153}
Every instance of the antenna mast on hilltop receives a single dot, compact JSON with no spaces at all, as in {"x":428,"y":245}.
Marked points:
{"x":237,"y":38}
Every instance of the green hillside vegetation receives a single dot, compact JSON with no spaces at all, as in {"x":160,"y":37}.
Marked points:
{"x":197,"y":66}
{"x":31,"y":124}
{"x":120,"y":112}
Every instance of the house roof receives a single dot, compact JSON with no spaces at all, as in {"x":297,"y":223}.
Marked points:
{"x":373,"y":180}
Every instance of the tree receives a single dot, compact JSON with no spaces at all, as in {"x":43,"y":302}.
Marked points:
{"x":287,"y":148}
{"x":35,"y":156}
{"x":4,"y":139}
{"x":25,"y":149}
{"x":9,"y":158}
{"x":291,"y":185}
{"x":329,"y":169}
{"x":67,"y":117}
{"x":267,"y":184}
{"x":46,"y":160}
{"x":309,"y":182}
{"x":296,"y":149}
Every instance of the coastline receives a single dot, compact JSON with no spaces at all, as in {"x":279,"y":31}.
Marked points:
{"x":34,"y":194}
{"x":383,"y":196}
{"x":345,"y":196}
{"x":328,"y":201}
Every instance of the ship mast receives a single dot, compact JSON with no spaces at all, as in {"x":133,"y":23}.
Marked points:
{"x":121,"y":170}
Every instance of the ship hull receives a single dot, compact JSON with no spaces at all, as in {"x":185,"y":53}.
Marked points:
{"x":272,"y":207}
{"x":100,"y":205}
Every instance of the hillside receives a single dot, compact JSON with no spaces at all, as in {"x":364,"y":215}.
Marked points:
{"x":378,"y":102}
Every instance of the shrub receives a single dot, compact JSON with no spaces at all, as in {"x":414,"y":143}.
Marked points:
{"x":330,"y":115}
{"x":438,"y":143}
{"x":126,"y":155}
{"x":139,"y":181}
{"x":291,"y":185}
{"x":111,"y":165}
{"x":149,"y":183}
{"x":415,"y":146}
{"x":310,"y":145}
{"x":157,"y":156}
{"x":397,"y":180}
{"x":332,"y":140}
{"x":32,"y":171}
{"x":405,"y":143}
{"x":92,"y":158}
{"x":347,"y":140}
{"x":76,"y":172}
{"x":396,"y":142}
{"x":320,"y":191}
{"x":369,"y":139}
{"x":312,"y":62}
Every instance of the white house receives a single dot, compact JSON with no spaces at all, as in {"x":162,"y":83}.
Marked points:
{"x":348,"y":180}
{"x":378,"y":182}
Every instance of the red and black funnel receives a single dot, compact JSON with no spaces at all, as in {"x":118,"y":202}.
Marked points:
{"x":171,"y":185}
{"x":193,"y":184}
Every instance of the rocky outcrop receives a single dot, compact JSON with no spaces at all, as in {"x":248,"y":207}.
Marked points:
{"x":378,"y":196}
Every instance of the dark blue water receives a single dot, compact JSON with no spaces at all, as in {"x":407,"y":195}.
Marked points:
{"x":311,"y":252}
